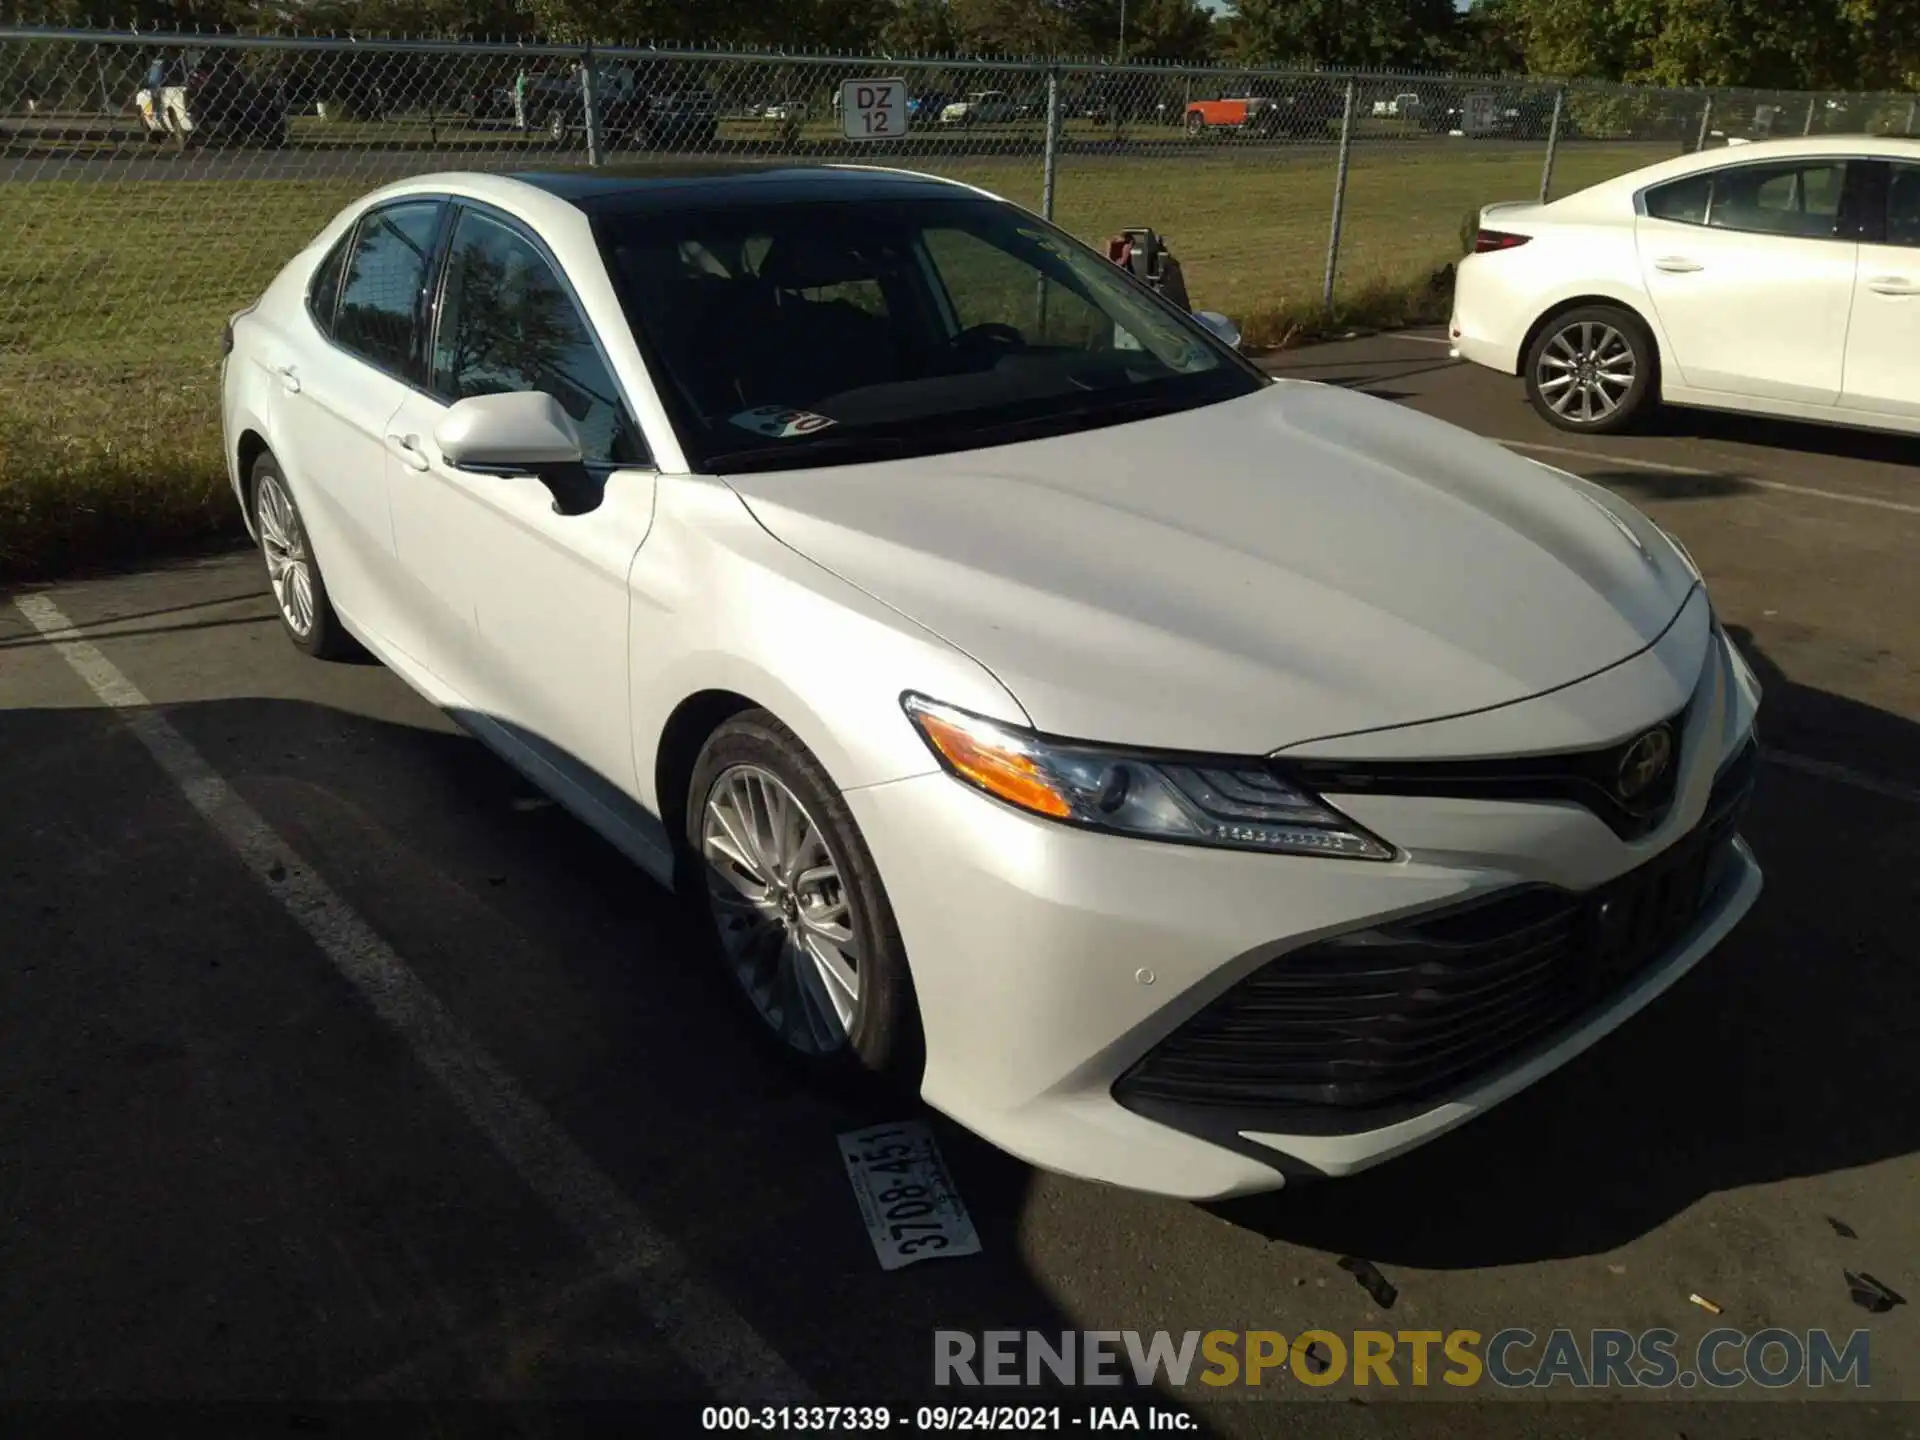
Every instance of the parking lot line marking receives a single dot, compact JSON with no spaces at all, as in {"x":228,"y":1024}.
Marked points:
{"x":1422,"y":339}
{"x":1663,"y":469}
{"x":1843,"y":775}
{"x":696,"y":1322}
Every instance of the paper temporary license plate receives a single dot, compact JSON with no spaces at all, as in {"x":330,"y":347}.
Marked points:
{"x":908,"y":1201}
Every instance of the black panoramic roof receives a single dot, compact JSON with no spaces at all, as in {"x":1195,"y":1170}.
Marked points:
{"x":615,"y":190}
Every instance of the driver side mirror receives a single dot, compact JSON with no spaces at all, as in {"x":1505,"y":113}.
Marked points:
{"x":525,"y":431}
{"x":1220,"y":327}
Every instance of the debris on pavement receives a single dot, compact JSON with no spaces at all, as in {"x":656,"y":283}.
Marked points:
{"x":908,"y":1201}
{"x":1842,"y":1229}
{"x":1873,"y":1296}
{"x":1616,"y":1269}
{"x":1371,"y":1280}
{"x":1705,"y":1304}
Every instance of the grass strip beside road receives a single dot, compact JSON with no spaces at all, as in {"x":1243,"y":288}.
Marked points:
{"x":113,"y":292}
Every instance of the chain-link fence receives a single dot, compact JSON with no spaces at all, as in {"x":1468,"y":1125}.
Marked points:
{"x":150,"y":184}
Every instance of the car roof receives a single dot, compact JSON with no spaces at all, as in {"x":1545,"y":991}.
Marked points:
{"x":1596,"y":198}
{"x":673,"y":187}
{"x":1790,"y":147}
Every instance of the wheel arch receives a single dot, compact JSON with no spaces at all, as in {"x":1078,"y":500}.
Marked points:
{"x":1598,"y":298}
{"x":247,"y":451}
{"x":686,"y":731}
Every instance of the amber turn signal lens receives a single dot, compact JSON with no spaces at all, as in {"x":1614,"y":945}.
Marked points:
{"x":1011,"y":776}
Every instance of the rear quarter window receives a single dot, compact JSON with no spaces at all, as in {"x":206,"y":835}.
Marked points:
{"x":323,"y":289}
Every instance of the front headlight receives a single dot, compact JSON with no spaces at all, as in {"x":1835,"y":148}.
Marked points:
{"x":1235,"y":804}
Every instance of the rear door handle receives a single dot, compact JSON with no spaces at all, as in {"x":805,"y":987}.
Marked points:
{"x":407,"y":447}
{"x":1677,"y":265}
{"x":1893,"y":285}
{"x":289,"y":379}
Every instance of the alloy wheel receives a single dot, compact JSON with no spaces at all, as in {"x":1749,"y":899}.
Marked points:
{"x":781,"y":908}
{"x":1586,"y":371}
{"x":289,"y":564}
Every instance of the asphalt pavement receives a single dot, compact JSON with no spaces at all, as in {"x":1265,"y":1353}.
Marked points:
{"x":337,"y":1065}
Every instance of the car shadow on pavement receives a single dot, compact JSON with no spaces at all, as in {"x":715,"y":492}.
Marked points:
{"x":1652,"y":485}
{"x":1789,"y":1052}
{"x":1736,"y":427}
{"x":265,"y":1190}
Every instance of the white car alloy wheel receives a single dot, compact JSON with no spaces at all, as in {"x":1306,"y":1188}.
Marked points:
{"x":781,"y":909}
{"x":1590,"y":370}
{"x":283,"y":541}
{"x":299,"y":588}
{"x":1585,"y":371}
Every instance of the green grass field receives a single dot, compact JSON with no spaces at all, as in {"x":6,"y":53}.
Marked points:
{"x":112,"y":295}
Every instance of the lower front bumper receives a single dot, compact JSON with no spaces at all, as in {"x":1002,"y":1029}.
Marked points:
{"x":1049,"y":961}
{"x":1345,"y":1154}
{"x":1036,"y":1001}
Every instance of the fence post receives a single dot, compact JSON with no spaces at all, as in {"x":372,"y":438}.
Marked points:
{"x":1912,"y":105}
{"x":1050,"y":162}
{"x":1339,"y":197}
{"x":1706,"y":123}
{"x":1553,"y":144}
{"x":590,"y":103}
{"x":1813,"y":108}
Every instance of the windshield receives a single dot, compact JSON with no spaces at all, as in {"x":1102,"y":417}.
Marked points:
{"x":819,"y":333}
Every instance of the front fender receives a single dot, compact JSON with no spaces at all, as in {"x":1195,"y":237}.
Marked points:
{"x":719,"y":604}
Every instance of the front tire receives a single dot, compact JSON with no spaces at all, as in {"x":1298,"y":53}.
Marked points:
{"x":1591,"y":370}
{"x":299,"y":592}
{"x":798,"y":918}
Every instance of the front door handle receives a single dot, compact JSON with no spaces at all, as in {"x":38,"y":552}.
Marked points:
{"x":407,"y":447}
{"x":1677,"y":265}
{"x":1893,"y":285}
{"x":289,"y":379}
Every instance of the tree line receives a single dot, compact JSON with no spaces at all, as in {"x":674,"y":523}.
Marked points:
{"x":1786,"y":44}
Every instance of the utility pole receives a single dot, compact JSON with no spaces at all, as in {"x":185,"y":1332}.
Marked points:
{"x":1121,"y":57}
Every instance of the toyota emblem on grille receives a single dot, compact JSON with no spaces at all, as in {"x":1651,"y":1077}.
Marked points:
{"x":1644,"y":762}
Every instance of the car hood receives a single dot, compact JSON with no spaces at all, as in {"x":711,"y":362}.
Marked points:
{"x":1300,"y":563}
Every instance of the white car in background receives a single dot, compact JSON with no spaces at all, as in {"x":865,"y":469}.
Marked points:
{"x":982,"y":107}
{"x":1782,"y":278}
{"x":1182,"y":778}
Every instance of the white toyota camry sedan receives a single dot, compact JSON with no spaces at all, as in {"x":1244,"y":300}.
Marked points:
{"x":1781,"y":278}
{"x":1181,"y":778}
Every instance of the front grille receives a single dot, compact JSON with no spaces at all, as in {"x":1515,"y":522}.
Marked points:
{"x":1588,"y":778}
{"x":1341,"y":1034}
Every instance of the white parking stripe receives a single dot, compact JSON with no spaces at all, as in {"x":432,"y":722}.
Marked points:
{"x":695,"y":1321}
{"x":1422,"y":339}
{"x":1659,"y":468}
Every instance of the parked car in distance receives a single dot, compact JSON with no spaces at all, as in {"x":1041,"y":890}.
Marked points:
{"x":982,"y":107}
{"x":1264,"y":116}
{"x":631,"y":113}
{"x":926,"y":109}
{"x":1183,"y":778}
{"x":210,"y":100}
{"x":1780,"y":277}
{"x":1405,"y":106}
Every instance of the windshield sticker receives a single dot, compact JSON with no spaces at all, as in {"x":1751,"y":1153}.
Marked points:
{"x":780,"y":423}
